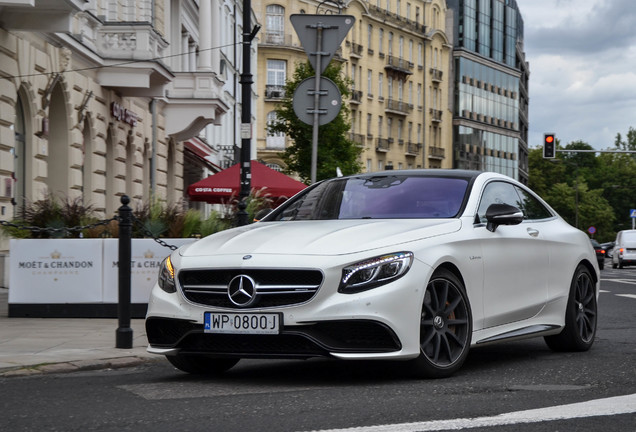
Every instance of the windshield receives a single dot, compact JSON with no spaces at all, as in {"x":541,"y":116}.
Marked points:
{"x":377,"y":197}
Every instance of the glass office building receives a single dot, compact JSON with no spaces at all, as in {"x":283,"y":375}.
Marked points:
{"x":490,"y":94}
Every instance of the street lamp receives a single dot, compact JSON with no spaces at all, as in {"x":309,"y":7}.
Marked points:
{"x":246,"y":81}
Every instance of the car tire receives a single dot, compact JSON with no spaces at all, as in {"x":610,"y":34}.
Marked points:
{"x":446,"y":327}
{"x":580,"y":315}
{"x":201,"y":365}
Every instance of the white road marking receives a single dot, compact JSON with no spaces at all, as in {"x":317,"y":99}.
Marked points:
{"x":624,"y":281}
{"x":594,"y":408}
{"x":627,"y":295}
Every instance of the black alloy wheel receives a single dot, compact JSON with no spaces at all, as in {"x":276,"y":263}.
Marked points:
{"x":580,"y":315}
{"x":445,"y":327}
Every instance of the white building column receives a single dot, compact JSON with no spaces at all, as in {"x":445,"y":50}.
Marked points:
{"x":205,"y":36}
{"x":216,"y":35}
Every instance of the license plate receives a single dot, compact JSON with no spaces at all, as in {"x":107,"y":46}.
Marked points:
{"x":245,"y":323}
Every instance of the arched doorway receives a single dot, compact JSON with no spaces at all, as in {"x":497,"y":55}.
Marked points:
{"x":58,"y":168}
{"x":19,"y":158}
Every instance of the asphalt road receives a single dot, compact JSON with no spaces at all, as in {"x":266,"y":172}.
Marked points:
{"x":518,"y":386}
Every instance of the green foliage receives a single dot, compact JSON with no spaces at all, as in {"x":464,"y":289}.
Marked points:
{"x":53,"y":212}
{"x":606,"y":185}
{"x":334,"y":149}
{"x":152,"y":218}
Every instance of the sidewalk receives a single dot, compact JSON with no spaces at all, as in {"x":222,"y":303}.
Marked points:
{"x":49,"y":345}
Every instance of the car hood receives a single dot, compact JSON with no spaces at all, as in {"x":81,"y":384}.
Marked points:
{"x":326,"y":237}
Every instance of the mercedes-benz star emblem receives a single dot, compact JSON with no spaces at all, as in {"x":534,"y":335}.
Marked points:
{"x":242,"y":290}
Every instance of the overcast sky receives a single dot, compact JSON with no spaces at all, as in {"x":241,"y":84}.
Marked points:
{"x":582,"y":56}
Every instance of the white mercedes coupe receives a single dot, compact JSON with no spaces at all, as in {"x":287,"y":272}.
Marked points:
{"x":416,"y":265}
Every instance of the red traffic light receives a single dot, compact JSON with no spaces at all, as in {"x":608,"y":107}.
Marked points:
{"x":549,"y":146}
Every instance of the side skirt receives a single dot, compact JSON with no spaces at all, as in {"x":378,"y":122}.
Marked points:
{"x":522,"y":333}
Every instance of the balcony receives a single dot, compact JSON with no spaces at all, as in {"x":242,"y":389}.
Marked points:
{"x":382,"y":145}
{"x":437,"y":75}
{"x":398,"y":107}
{"x":193,"y":100}
{"x":356,"y":50}
{"x":412,"y":149}
{"x":359,"y":139}
{"x":137,"y":42}
{"x":356,"y":97}
{"x":278,"y":39}
{"x":399,"y":66}
{"x":436,"y":115}
{"x":48,"y":16}
{"x":275,"y":92}
{"x":436,"y":153}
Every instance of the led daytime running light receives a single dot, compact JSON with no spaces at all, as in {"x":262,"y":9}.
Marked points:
{"x":376,"y":271}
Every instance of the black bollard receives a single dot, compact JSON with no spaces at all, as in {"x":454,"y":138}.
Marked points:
{"x":124,"y":337}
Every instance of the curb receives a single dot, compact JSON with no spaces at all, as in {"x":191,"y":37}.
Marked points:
{"x":75,"y":366}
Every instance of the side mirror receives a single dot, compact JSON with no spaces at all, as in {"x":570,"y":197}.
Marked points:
{"x":502,"y":214}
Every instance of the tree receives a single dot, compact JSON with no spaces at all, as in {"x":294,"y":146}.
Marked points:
{"x":630,"y":144}
{"x":334,"y":149}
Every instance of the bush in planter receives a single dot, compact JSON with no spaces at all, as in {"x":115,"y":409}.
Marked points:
{"x":51,"y":212}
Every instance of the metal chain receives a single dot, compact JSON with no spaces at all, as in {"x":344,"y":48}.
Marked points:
{"x":148,"y":233}
{"x":51,"y":230}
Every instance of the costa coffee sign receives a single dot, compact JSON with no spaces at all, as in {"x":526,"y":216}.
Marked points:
{"x":122,"y":114}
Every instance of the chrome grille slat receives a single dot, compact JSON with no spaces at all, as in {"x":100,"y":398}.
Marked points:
{"x":273,"y":287}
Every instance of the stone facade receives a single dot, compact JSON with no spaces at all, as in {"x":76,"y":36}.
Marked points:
{"x":103,"y":98}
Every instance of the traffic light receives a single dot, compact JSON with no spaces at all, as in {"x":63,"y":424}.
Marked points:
{"x":549,"y":146}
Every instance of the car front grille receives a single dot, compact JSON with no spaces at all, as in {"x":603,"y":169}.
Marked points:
{"x":273,"y":287}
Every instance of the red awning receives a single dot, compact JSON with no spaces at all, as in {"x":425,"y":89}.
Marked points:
{"x":222,"y":187}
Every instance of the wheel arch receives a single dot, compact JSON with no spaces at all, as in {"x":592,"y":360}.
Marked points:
{"x":591,"y":269}
{"x":453,"y":269}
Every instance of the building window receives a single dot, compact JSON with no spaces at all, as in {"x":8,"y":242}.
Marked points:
{"x":275,"y":23}
{"x":369,"y":82}
{"x":274,"y":141}
{"x":380,"y":85}
{"x":276,"y":72}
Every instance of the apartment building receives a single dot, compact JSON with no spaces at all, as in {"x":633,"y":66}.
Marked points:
{"x":398,"y":56}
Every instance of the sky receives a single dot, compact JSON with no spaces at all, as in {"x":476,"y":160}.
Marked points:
{"x":582,"y":56}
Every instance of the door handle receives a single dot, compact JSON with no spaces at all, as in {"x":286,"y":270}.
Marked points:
{"x":533,"y":232}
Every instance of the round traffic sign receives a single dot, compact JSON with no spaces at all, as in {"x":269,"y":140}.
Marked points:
{"x":329,"y":103}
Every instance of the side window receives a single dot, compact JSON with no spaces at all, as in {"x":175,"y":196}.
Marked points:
{"x":532,"y":208}
{"x":497,"y":192}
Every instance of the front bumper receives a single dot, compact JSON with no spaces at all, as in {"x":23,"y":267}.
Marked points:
{"x":381,"y":323}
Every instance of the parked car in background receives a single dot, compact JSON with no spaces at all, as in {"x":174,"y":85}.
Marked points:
{"x":624,"y":252}
{"x":600,"y":253}
{"x":608,"y":248}
{"x":415,"y":265}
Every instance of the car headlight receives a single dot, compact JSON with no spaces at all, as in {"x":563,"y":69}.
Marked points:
{"x":166,"y":276}
{"x":374,"y":272}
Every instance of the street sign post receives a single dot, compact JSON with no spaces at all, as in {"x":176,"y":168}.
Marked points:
{"x":320,"y":36}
